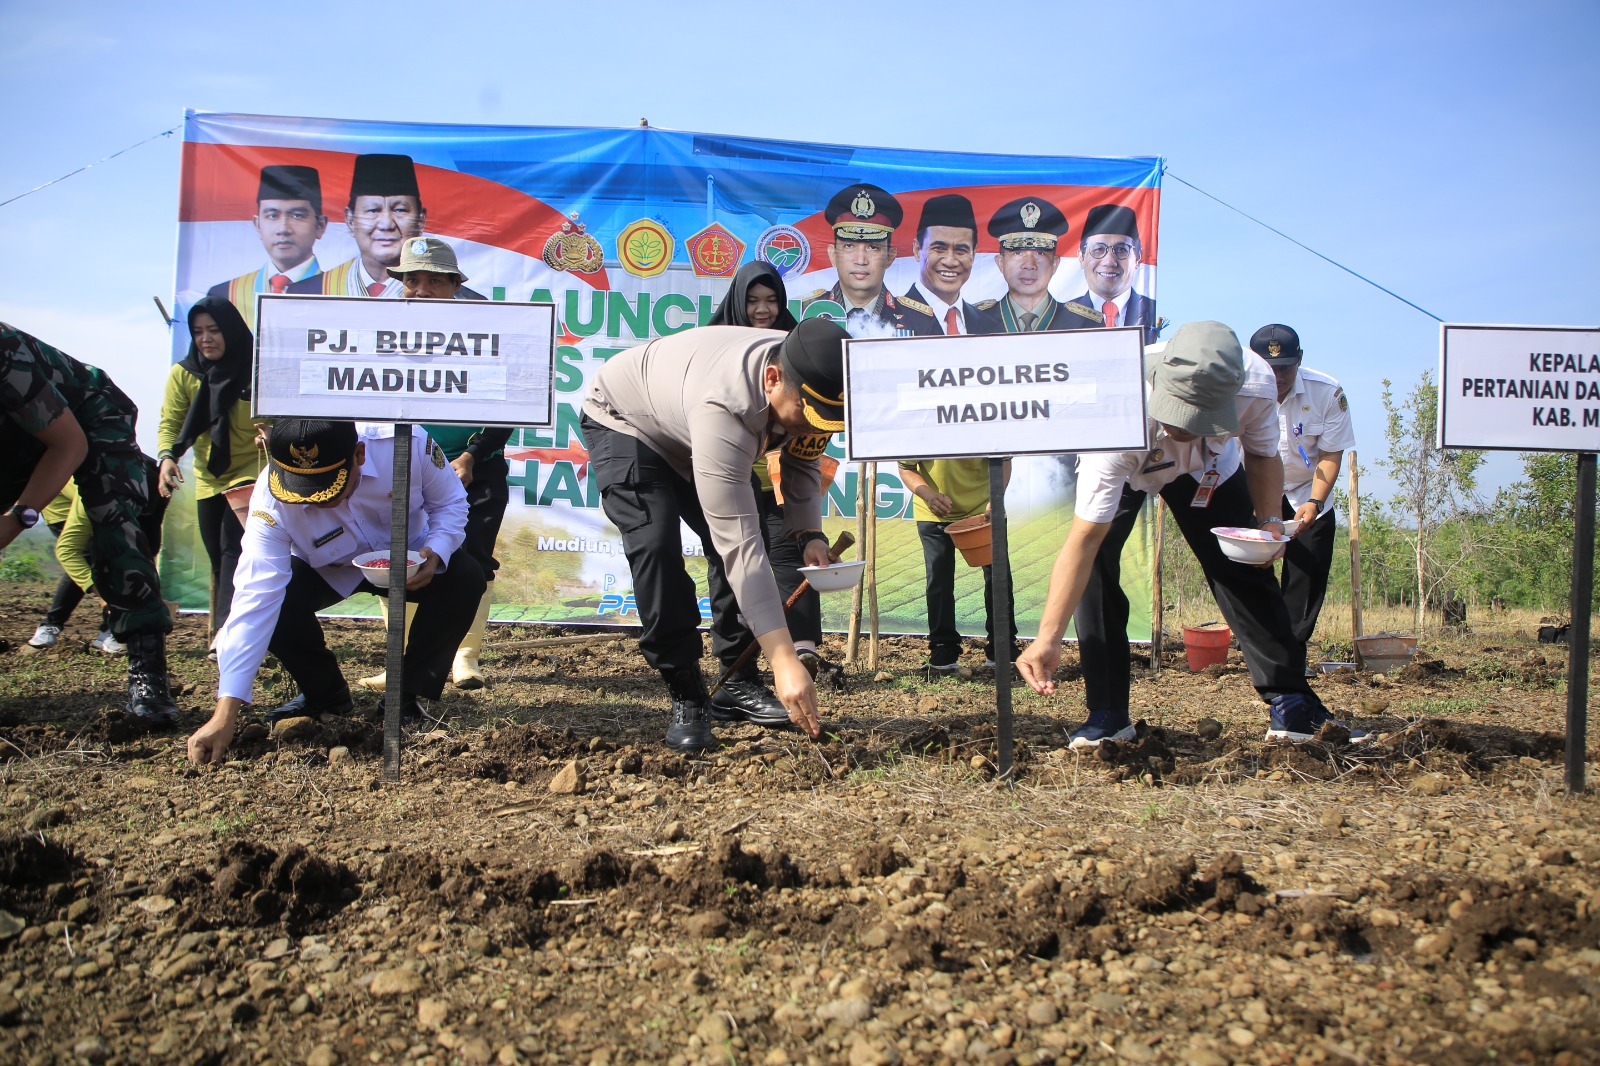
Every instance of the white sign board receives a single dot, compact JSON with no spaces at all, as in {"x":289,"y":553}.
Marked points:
{"x":473,"y":362}
{"x":1523,"y":388}
{"x":994,"y":395}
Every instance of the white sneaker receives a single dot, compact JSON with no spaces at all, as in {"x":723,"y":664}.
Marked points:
{"x":107,"y":644}
{"x":45,"y":637}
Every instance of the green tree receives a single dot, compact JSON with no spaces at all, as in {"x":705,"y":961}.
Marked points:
{"x":1540,"y":511}
{"x":1432,"y":485}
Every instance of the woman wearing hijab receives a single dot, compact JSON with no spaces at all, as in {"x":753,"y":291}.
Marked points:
{"x":207,"y":408}
{"x":757,"y":298}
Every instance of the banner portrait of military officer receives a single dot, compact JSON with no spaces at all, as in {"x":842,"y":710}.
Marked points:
{"x":863,"y":218}
{"x":385,"y":209}
{"x":1028,"y":230}
{"x":289,"y":221}
{"x":1109,"y":253}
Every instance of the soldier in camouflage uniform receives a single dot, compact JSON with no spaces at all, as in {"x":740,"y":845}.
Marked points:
{"x":66,"y":419}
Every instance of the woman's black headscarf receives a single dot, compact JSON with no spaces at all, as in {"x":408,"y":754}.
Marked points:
{"x":730,"y":312}
{"x":222,"y":383}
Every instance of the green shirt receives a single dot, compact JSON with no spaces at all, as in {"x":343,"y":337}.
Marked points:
{"x":965,"y":481}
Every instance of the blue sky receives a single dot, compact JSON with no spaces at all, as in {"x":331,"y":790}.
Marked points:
{"x":1446,"y":150}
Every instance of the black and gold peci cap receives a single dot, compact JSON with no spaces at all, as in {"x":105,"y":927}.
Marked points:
{"x":291,"y":183}
{"x":863,"y":213}
{"x":1031,"y":222}
{"x":309,"y":459}
{"x":1277,"y":344}
{"x":813,"y":357}
{"x":384,"y":175}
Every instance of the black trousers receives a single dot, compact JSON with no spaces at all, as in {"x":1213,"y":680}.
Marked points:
{"x":487,"y":497}
{"x":445,"y":607}
{"x":1249,"y":596}
{"x":939,"y":569}
{"x":222,"y":535}
{"x":646,"y":499}
{"x":1305,"y":573}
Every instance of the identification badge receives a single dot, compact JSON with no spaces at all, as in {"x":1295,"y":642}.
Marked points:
{"x":1208,"y":485}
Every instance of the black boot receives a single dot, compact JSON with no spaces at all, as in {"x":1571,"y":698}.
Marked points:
{"x":148,"y":696}
{"x":690,"y":726}
{"x":743,"y":698}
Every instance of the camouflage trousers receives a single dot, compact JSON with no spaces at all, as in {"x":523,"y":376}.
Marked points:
{"x":114,"y":486}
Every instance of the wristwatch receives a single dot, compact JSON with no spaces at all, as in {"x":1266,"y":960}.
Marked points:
{"x":810,"y":535}
{"x":1321,"y":504}
{"x":26,"y":517}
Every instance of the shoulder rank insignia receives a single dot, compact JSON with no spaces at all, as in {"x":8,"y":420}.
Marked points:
{"x":813,"y":295}
{"x":1084,"y":311}
{"x":265,"y":517}
{"x":986,"y":305}
{"x":436,"y":453}
{"x":906,"y":301}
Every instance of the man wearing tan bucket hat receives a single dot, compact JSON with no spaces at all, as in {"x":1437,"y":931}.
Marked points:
{"x":673,"y":429}
{"x":1213,"y":457}
{"x":428,"y":271}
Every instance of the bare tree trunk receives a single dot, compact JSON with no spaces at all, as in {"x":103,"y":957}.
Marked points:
{"x":1356,"y":627}
{"x":1422,"y":606}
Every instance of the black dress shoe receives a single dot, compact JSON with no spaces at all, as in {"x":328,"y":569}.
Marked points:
{"x":298,"y":708}
{"x":743,"y":700}
{"x":690,"y":728}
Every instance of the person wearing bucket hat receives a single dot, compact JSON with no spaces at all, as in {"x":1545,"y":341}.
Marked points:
{"x":863,"y":218}
{"x":1213,"y":457}
{"x":1028,"y":229}
{"x":385,"y":210}
{"x":673,"y":428}
{"x":428,"y":271}
{"x":1109,"y":252}
{"x":289,"y":221}
{"x":1314,"y":433}
{"x":323,"y":500}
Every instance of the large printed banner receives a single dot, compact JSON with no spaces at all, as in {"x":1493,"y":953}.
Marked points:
{"x":633,"y":234}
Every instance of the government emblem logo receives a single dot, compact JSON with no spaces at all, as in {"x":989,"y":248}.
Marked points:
{"x":786,"y":248}
{"x":1030,"y":214}
{"x":574,"y":249}
{"x":645,"y":248}
{"x":305,"y":456}
{"x":1274,"y":348}
{"x":714,"y":252}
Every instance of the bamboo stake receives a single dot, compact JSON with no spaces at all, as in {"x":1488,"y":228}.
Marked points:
{"x":1157,"y":607}
{"x":870,"y":578}
{"x":556,"y":642}
{"x":853,"y":637}
{"x":1356,"y":628}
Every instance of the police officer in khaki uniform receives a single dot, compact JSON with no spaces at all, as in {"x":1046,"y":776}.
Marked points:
{"x":864,"y":218}
{"x":1028,"y":230}
{"x":1315,"y":432}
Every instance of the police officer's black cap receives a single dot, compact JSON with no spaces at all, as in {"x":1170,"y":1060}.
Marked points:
{"x":1111,"y":218}
{"x":309,"y":459}
{"x":384,"y":175}
{"x":291,"y":183}
{"x":813,"y":358}
{"x":949,"y":209}
{"x":1029,"y":222}
{"x":1277,"y":344}
{"x":863,"y":212}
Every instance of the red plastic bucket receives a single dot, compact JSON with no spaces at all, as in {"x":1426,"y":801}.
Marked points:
{"x":1207,"y":646}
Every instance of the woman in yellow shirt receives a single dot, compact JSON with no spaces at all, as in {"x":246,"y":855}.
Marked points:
{"x":207,"y":407}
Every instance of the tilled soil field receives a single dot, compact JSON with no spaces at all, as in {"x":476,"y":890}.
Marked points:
{"x":549,"y":884}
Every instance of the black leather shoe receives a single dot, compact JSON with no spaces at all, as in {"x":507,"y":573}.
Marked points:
{"x":690,"y":727}
{"x":297,"y":708}
{"x":742,"y":700}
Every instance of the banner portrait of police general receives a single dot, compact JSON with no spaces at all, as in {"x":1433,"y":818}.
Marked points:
{"x":636,"y":233}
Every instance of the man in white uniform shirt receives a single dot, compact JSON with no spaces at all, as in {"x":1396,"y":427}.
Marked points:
{"x":323,"y":499}
{"x":1214,"y":459}
{"x":1314,"y":433}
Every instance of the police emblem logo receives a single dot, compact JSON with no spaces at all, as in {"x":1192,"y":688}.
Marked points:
{"x":305,"y":456}
{"x":785,"y":248}
{"x":714,"y":252}
{"x":862,"y":206}
{"x":419,"y":246}
{"x":645,"y":248}
{"x":1274,"y":348}
{"x":1030,"y":214}
{"x":574,"y":249}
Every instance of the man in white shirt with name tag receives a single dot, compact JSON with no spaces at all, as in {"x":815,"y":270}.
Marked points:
{"x":1214,"y":459}
{"x":323,"y":500}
